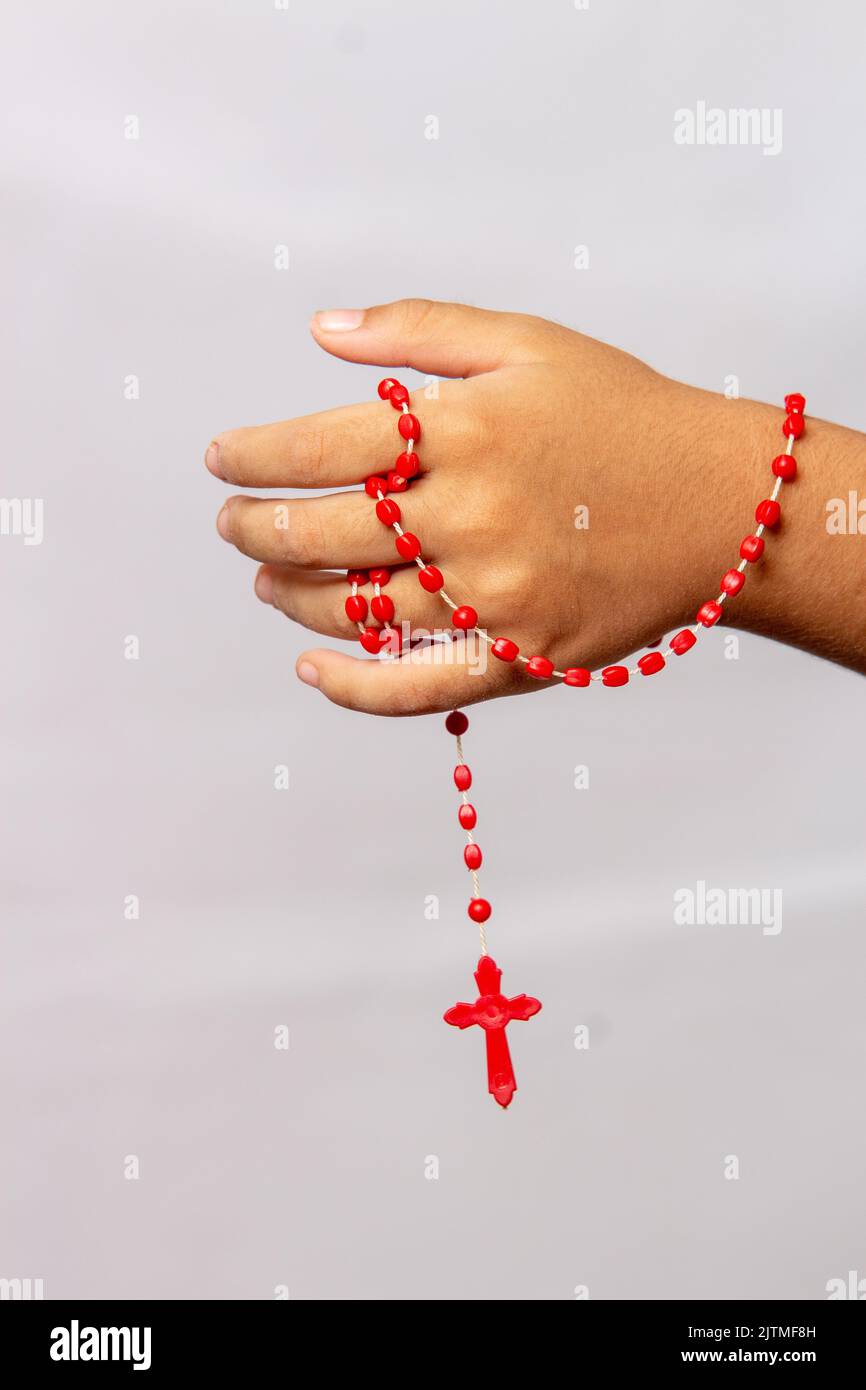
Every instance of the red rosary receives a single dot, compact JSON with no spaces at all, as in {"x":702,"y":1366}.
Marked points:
{"x":493,"y":1010}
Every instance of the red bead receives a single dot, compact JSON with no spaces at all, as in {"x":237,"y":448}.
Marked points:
{"x":578,"y":675}
{"x":430,"y":578}
{"x":794,"y":426}
{"x":683,"y":641}
{"x":375,"y":485}
{"x":709,"y":613}
{"x":398,"y":396}
{"x":357,"y":576}
{"x":505,"y":649}
{"x":457,"y":722}
{"x":466,"y":816}
{"x":388,"y":512}
{"x":462,"y":777}
{"x":380,"y":577}
{"x":785,"y":466}
{"x":382,"y":608}
{"x":396,"y":482}
{"x":409,"y":427}
{"x":732,"y":582}
{"x":768,"y":512}
{"x":356,"y":608}
{"x":408,"y":546}
{"x":614,"y":675}
{"x":752,"y":548}
{"x":372,"y":640}
{"x":472,"y":855}
{"x":539,"y":667}
{"x":407,"y":465}
{"x":479,"y":909}
{"x":465,"y":617}
{"x":386,"y":386}
{"x":392,"y":639}
{"x":795,"y":404}
{"x":652,"y":662}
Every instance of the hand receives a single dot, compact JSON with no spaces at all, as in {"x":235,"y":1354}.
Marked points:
{"x":583,"y":504}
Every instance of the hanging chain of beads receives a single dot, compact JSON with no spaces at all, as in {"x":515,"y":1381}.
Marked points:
{"x":492,"y":1011}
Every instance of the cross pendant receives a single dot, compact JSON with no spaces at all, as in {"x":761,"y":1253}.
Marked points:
{"x":493,"y":1012}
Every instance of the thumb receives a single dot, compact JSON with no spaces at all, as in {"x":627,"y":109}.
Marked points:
{"x":443,"y":339}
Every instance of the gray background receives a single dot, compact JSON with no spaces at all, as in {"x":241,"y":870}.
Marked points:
{"x":306,"y":908}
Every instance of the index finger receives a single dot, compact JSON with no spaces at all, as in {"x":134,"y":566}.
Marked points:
{"x":329,"y":449}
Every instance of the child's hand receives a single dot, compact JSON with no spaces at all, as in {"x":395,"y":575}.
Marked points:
{"x":581,"y":503}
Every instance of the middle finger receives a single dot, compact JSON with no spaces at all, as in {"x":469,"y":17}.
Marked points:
{"x":338,"y":531}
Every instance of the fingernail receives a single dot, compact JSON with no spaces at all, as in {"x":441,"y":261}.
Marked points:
{"x":308,"y":673}
{"x":212,"y":459}
{"x":265,"y":586}
{"x":223,"y":522}
{"x":338,"y":320}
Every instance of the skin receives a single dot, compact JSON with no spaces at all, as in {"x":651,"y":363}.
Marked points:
{"x":539,"y":421}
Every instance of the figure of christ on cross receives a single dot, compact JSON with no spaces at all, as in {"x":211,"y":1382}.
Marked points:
{"x":493,"y":1012}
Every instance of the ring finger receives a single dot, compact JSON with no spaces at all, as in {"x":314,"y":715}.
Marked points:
{"x":318,"y":601}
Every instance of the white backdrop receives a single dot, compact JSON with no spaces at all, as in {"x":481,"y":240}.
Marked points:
{"x":153,"y":1039}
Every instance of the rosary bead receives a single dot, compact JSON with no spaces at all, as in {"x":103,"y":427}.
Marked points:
{"x":398,"y":396}
{"x":709,"y":613}
{"x":539,"y":667}
{"x":467,"y":816}
{"x":357,"y":576}
{"x":794,"y":426}
{"x":380,"y":577}
{"x":479,"y":909}
{"x":374,"y":485}
{"x":614,"y":675}
{"x":795,"y":404}
{"x":372,"y":640}
{"x":462,"y":777}
{"x":430,"y":578}
{"x":652,"y":662}
{"x":752,"y":548}
{"x":386,"y":386}
{"x":396,"y":482}
{"x":408,"y":546}
{"x":409,"y":427}
{"x":457,"y":722}
{"x":768,"y":512}
{"x":388,"y":512}
{"x":577,"y":675}
{"x":505,"y":649}
{"x":472,"y":855}
{"x":682,"y":641}
{"x":407,"y":465}
{"x":356,"y":608}
{"x":732,"y":582}
{"x":392,"y":639}
{"x":465,"y":617}
{"x":785,"y":467}
{"x":382,"y":608}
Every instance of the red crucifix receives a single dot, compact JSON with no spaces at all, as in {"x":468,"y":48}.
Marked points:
{"x":493,"y":1012}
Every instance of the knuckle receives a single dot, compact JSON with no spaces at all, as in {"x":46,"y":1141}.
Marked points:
{"x":310,"y":447}
{"x":415,"y":313}
{"x":304,"y":541}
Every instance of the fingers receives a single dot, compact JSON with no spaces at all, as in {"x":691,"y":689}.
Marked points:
{"x":318,"y":601}
{"x":429,"y":681}
{"x":340,"y":531}
{"x":445,"y":339}
{"x":331,"y":449}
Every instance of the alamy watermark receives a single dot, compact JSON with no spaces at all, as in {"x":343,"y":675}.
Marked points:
{"x":729,"y":907}
{"x":711,"y":125}
{"x":22,"y":516}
